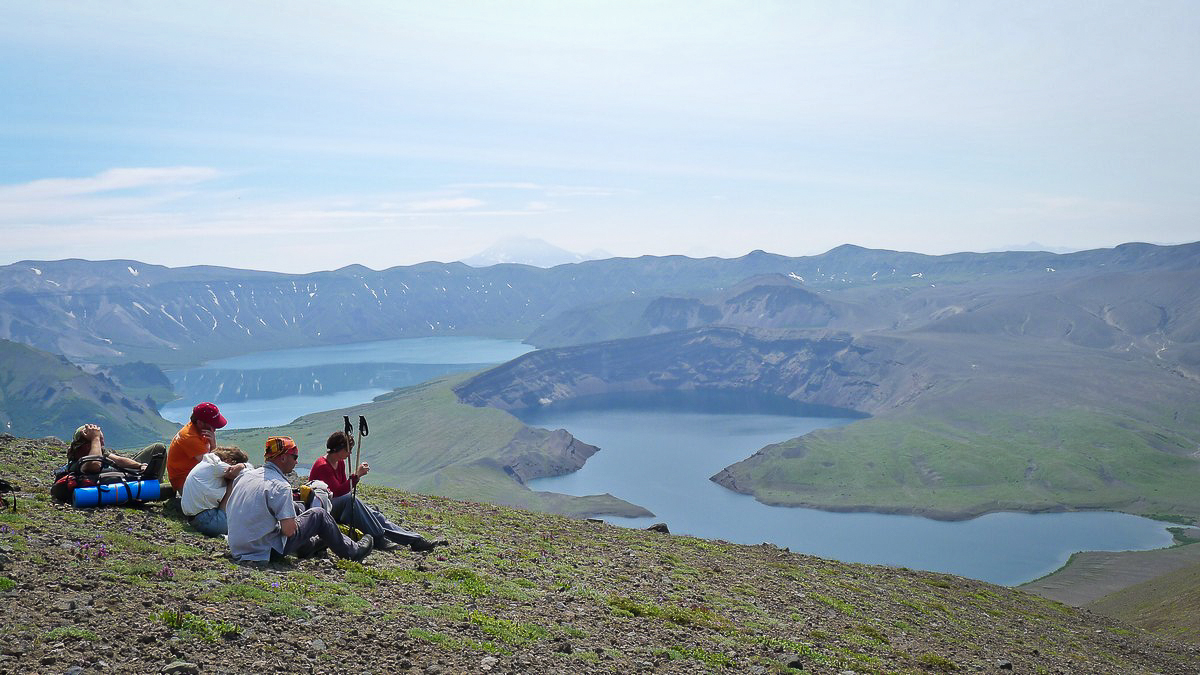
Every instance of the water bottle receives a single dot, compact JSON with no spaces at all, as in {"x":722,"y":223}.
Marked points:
{"x":116,"y":493}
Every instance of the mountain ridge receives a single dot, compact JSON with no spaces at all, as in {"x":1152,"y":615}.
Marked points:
{"x":115,"y":311}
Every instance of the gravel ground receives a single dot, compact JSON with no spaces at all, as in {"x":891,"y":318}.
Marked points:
{"x":135,"y":590}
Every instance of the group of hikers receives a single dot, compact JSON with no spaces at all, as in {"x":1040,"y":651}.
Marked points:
{"x":256,"y":508}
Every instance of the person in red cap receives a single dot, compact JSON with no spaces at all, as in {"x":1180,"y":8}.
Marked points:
{"x":197,"y":437}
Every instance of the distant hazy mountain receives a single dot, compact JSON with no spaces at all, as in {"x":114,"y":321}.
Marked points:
{"x":115,"y":311}
{"x":528,"y":251}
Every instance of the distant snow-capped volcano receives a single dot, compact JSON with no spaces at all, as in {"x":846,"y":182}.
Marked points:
{"x":528,"y":251}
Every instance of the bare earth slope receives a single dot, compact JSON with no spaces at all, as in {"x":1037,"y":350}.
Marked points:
{"x":136,"y":590}
{"x":1092,"y":575}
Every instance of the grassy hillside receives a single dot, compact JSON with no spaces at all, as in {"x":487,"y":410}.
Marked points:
{"x":423,"y":439}
{"x":42,"y":394}
{"x":990,"y":460}
{"x":1165,"y":604}
{"x":516,"y":591}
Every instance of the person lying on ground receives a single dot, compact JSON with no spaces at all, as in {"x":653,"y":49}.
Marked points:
{"x":351,"y":511}
{"x":88,"y":443}
{"x":197,"y":438}
{"x":207,"y":489}
{"x":262,"y":516}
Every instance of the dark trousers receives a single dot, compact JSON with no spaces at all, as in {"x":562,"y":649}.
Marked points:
{"x":316,"y":530}
{"x":352,"y":511}
{"x":155,"y":459}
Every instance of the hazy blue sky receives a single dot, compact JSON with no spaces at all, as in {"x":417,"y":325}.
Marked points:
{"x":298,"y":136}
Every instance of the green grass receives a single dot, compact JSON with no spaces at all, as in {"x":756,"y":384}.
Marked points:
{"x":682,"y":616}
{"x":697,"y":654}
{"x":455,"y":643}
{"x":937,"y":662}
{"x":70,"y":633}
{"x":205,"y":629}
{"x":842,"y":606}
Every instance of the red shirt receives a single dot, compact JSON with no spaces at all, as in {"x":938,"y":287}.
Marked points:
{"x":334,"y":476}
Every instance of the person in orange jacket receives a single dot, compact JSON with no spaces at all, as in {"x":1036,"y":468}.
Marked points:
{"x":197,"y":437}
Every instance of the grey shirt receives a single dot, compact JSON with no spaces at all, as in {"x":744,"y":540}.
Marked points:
{"x":259,"y":500}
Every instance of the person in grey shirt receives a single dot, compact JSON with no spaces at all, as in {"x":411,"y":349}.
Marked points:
{"x":263,"y":523}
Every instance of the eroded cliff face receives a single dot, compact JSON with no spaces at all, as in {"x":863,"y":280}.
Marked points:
{"x":835,"y":370}
{"x":538,"y":453}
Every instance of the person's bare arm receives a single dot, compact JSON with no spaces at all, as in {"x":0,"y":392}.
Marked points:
{"x":287,"y":526}
{"x":230,"y":474}
{"x":95,"y":436}
{"x":126,"y":462}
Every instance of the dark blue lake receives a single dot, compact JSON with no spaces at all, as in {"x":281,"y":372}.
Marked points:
{"x":662,"y":459}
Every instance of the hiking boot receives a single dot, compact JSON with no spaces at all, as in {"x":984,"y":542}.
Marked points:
{"x":362,"y":548}
{"x":385,"y":544}
{"x":423,"y":545}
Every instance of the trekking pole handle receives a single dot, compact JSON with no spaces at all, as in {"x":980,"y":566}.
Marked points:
{"x":362,"y":426}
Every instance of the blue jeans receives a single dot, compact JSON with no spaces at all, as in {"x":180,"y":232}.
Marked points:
{"x":211,"y":522}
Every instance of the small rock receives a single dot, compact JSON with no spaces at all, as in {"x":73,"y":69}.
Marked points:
{"x":488,"y":662}
{"x":660,"y":527}
{"x":180,"y":668}
{"x":73,"y":670}
{"x":792,"y":661}
{"x":317,"y":645}
{"x":1004,"y":665}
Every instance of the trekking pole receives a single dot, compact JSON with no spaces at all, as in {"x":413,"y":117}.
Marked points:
{"x":362,"y":433}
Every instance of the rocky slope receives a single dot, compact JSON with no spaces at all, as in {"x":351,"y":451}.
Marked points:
{"x":834,"y":370}
{"x":136,"y":590}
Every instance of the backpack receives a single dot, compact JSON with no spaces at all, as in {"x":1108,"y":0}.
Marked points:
{"x":71,"y":475}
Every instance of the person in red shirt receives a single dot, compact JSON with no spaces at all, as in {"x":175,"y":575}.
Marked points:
{"x":197,"y":437}
{"x":352,"y":511}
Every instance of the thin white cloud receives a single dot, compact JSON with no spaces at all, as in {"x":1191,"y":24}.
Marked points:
{"x":107,"y":181}
{"x":450,"y":204}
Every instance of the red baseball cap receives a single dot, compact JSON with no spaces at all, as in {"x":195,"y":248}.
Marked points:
{"x":208,"y":413}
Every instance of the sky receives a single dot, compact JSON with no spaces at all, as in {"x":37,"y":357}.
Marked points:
{"x":300,"y":136}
